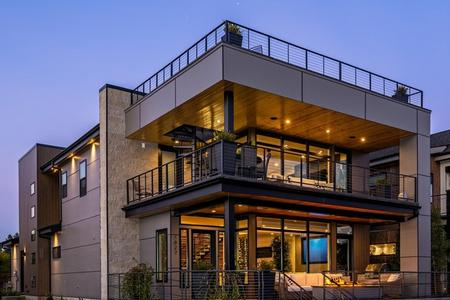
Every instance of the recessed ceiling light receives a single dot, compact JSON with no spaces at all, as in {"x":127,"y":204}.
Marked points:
{"x":276,"y":164}
{"x":327,"y":131}
{"x":218,"y":121}
{"x":288,"y":121}
{"x":363,"y":139}
{"x":177,"y":141}
{"x":213,"y":211}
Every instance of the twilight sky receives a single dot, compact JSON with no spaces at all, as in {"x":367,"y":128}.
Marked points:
{"x":55,"y":55}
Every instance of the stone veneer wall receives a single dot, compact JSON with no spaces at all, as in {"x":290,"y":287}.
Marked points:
{"x":121,"y":159}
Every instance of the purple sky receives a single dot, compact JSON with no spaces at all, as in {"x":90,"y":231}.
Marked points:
{"x":55,"y":55}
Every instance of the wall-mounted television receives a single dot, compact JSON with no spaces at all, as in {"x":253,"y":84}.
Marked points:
{"x":318,"y":248}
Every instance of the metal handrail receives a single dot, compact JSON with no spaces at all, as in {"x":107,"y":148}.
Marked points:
{"x":258,"y":163}
{"x":275,"y":48}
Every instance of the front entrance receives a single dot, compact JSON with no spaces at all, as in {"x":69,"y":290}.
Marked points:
{"x":203,"y":250}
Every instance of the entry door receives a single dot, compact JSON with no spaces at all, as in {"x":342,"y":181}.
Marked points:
{"x":203,"y":250}
{"x":344,"y":253}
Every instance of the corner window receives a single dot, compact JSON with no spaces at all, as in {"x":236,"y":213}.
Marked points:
{"x":56,"y":252}
{"x":33,"y":258}
{"x":33,"y":211}
{"x":161,"y":255}
{"x":33,"y":235}
{"x":64,"y":185}
{"x":83,"y":178}
{"x":32,"y":188}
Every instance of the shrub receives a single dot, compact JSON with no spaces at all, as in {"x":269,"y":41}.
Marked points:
{"x":137,"y":283}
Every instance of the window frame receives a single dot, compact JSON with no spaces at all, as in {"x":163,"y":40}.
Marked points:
{"x":32,"y":188}
{"x":64,"y":186}
{"x":82,"y":180}
{"x":161,"y":270}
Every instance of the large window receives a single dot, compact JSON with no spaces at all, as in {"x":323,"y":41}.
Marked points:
{"x":293,"y":245}
{"x":83,"y":178}
{"x":161,"y":255}
{"x":64,"y":185}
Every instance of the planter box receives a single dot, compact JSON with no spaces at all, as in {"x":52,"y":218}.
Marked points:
{"x":235,"y":39}
{"x":401,"y":97}
{"x":229,"y":158}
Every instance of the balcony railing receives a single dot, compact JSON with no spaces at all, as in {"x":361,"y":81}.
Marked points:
{"x":264,"y":44}
{"x":271,"y":166}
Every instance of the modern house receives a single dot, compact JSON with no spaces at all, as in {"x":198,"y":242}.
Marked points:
{"x":245,"y":152}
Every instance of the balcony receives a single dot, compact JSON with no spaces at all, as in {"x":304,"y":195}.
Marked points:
{"x":263,"y":44}
{"x":274,"y":167}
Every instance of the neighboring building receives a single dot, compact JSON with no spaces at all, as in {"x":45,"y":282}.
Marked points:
{"x":296,"y":191}
{"x":388,"y":159}
{"x":11,"y":280}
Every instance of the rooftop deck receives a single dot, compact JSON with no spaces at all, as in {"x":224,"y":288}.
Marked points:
{"x":269,"y":46}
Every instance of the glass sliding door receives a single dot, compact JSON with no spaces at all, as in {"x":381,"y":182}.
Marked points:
{"x":203,"y":250}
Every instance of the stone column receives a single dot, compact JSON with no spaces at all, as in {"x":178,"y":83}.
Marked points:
{"x":120,"y":159}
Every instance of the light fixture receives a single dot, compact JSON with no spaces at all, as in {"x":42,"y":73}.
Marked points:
{"x":363,"y":139}
{"x":276,"y":164}
{"x":288,"y":121}
{"x":320,"y":152}
{"x":218,"y":121}
{"x":177,"y":141}
{"x":213,"y":211}
{"x":240,"y":205}
{"x":327,"y":131}
{"x":71,"y":155}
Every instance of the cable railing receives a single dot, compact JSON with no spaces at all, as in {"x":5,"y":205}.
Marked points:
{"x":260,"y":164}
{"x":267,"y":45}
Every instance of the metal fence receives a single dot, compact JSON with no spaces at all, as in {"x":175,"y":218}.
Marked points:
{"x":267,"y":45}
{"x":259,"y":284}
{"x":271,"y":166}
{"x":205,"y":284}
{"x":385,"y":285}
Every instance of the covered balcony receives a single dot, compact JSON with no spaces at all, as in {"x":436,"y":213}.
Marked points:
{"x":263,"y":173}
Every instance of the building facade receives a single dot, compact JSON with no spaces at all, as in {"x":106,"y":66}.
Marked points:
{"x":243,"y":152}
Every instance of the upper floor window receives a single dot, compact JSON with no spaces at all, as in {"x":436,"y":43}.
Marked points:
{"x":33,"y":211}
{"x":64,"y":185}
{"x":83,"y":178}
{"x":33,"y":234}
{"x":32,"y":188}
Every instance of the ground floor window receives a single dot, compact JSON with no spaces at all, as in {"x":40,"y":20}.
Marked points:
{"x":292,"y":245}
{"x":161,"y":255}
{"x":385,"y":246}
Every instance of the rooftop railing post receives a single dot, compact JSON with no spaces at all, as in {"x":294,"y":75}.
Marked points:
{"x":340,"y":71}
{"x":268,"y":47}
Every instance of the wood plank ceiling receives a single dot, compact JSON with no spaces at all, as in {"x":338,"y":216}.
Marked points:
{"x":255,"y":108}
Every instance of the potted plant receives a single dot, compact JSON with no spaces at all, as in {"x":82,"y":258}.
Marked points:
{"x":267,"y":279}
{"x":401,"y":93}
{"x":383,"y":188}
{"x":234,"y":34}
{"x":228,"y":151}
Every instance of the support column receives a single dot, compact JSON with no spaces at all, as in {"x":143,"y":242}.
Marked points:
{"x":230,"y":235}
{"x":228,"y":111}
{"x":415,"y":234}
{"x":252,"y":265}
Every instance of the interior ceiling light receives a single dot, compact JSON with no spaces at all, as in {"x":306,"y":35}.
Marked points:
{"x":327,"y":131}
{"x":363,"y":139}
{"x":288,"y":121}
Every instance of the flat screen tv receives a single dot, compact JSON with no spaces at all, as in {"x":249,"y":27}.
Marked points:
{"x":318,"y":248}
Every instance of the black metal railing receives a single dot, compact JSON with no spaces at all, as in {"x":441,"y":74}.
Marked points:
{"x":384,"y":285}
{"x":272,"y":166}
{"x":259,"y":285}
{"x":205,"y":284}
{"x":267,"y":45}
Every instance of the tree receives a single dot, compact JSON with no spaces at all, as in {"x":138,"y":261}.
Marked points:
{"x":440,"y":245}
